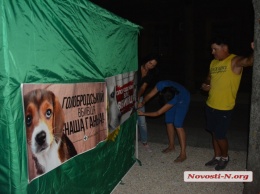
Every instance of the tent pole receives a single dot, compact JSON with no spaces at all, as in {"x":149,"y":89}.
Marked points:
{"x":136,"y":141}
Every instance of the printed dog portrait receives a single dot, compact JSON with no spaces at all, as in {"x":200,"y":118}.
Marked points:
{"x":44,"y":120}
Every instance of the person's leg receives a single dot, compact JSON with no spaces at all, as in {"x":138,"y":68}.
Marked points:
{"x":223,"y":147}
{"x":169,"y":115}
{"x":182,"y":139}
{"x":224,"y":159}
{"x":217,"y":153}
{"x":143,"y":132}
{"x":170,"y":133}
{"x":221,"y":132}
{"x":211,"y":125}
{"x":142,"y":125}
{"x":216,"y":147}
{"x":222,"y":139}
{"x":179,"y":117}
{"x":220,"y":143}
{"x":220,"y":147}
{"x":142,"y":128}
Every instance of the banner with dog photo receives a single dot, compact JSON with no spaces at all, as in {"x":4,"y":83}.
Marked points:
{"x":62,"y":121}
{"x":121,"y":91}
{"x":48,"y":45}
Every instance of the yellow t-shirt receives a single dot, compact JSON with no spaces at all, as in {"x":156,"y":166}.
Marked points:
{"x":224,"y":84}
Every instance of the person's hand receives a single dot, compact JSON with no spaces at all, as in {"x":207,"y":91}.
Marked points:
{"x":205,"y":87}
{"x":140,"y":113}
{"x":140,"y":105}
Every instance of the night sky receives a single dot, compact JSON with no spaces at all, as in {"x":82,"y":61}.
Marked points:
{"x":180,"y":30}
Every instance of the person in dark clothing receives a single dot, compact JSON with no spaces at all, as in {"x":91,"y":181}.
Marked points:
{"x":146,"y":74}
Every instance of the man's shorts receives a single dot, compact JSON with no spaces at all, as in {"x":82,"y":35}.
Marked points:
{"x":218,"y":121}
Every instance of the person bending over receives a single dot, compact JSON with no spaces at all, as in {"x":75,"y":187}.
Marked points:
{"x":175,"y":100}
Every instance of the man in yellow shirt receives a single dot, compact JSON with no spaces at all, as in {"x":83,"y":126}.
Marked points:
{"x":222,"y":83}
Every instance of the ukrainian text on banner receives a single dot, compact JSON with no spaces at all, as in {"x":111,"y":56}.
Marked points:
{"x":62,"y":121}
{"x":121,"y":90}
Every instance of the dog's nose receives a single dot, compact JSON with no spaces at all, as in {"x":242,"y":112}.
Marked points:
{"x":40,"y":138}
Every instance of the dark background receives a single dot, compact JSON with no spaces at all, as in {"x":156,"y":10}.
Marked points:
{"x":180,"y":31}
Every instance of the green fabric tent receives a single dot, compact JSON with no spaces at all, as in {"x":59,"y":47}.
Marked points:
{"x":62,"y":41}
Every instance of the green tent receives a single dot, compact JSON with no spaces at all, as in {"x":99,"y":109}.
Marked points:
{"x":62,"y":41}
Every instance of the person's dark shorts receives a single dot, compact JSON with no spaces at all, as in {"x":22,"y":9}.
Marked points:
{"x":218,"y":121}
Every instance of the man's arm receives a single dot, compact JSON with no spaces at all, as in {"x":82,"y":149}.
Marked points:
{"x":239,"y":62}
{"x":243,"y":61}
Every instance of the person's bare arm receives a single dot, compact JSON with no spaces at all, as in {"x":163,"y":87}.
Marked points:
{"x":243,"y":61}
{"x":151,"y":94}
{"x":148,"y":97}
{"x":238,"y":62}
{"x":141,"y":90}
{"x":159,"y":112}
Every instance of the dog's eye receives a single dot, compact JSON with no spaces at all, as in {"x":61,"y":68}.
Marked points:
{"x":48,"y":113}
{"x":28,"y":120}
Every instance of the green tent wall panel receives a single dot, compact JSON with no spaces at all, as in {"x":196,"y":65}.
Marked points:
{"x":61,"y":41}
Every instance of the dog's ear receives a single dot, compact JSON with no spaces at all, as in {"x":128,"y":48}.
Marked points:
{"x":58,"y":116}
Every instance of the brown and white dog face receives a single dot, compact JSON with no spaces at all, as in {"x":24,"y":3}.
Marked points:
{"x":44,"y":120}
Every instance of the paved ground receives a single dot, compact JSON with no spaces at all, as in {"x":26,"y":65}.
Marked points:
{"x":160,"y":175}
